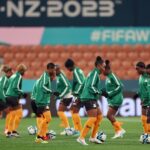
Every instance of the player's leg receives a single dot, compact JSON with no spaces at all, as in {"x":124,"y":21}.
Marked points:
{"x":61,"y":113}
{"x":45,"y":115}
{"x":75,"y":108}
{"x":148,"y":120}
{"x":97,"y":123}
{"x":92,"y":113}
{"x":119,"y":131}
{"x":18,"y":117}
{"x":144,"y":118}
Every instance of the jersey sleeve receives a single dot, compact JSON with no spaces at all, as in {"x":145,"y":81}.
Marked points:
{"x":93,"y":88}
{"x":118,"y":86}
{"x":46,"y":82}
{"x":79,"y":82}
{"x":18,"y":84}
{"x":63,"y":80}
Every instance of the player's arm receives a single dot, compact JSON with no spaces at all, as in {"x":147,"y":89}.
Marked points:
{"x":63,"y":80}
{"x":46,"y":81}
{"x":93,"y":88}
{"x":118,"y":86}
{"x":80,"y":82}
{"x":17,"y":87}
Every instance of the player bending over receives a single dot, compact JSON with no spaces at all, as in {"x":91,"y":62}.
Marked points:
{"x":42,"y":94}
{"x":114,"y":97}
{"x":89,"y":97}
{"x":77,"y":88}
{"x":143,"y":93}
{"x":13,"y":94}
{"x":64,"y":94}
{"x":3,"y":88}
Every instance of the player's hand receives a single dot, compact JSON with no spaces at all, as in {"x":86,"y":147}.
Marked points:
{"x":56,"y":93}
{"x":135,"y":96}
{"x":25,"y":95}
{"x":104,"y":93}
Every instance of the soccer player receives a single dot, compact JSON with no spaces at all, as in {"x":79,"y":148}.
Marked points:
{"x":148,"y":111}
{"x":13,"y":94}
{"x":64,"y":94}
{"x":89,"y":97}
{"x":114,"y":97}
{"x":143,"y":92}
{"x":3,"y":88}
{"x":42,"y":95}
{"x":77,"y":88}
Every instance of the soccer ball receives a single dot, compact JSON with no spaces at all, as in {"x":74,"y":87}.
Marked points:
{"x":101,"y":136}
{"x":145,"y":139}
{"x":69,"y":131}
{"x":32,"y":130}
{"x":52,"y":134}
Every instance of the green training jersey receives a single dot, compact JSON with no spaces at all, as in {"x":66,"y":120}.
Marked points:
{"x":92,"y":88}
{"x":114,"y":90}
{"x":143,"y":89}
{"x":33,"y":94}
{"x":3,"y":87}
{"x":15,"y":85}
{"x":78,"y":82}
{"x":63,"y":85}
{"x":42,"y":90}
{"x":148,"y":88}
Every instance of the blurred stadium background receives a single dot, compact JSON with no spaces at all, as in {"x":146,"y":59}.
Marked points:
{"x":35,"y":32}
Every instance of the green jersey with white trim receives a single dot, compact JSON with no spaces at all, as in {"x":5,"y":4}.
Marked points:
{"x":42,"y":90}
{"x":114,"y":90}
{"x":63,"y":85}
{"x":15,"y":85}
{"x":78,"y":82}
{"x":143,"y":89}
{"x":92,"y":89}
{"x":3,"y":87}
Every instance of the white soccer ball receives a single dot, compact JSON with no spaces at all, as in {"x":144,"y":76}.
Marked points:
{"x":52,"y":134}
{"x":32,"y":130}
{"x":101,"y":136}
{"x":69,"y":131}
{"x":145,"y":139}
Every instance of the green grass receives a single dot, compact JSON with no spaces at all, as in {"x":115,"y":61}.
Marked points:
{"x":26,"y":142}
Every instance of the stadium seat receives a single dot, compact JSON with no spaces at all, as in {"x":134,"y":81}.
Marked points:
{"x":8,"y":56}
{"x":93,"y":48}
{"x":31,"y":56}
{"x":20,"y":56}
{"x":122,"y":55}
{"x":110,"y":55}
{"x":133,"y":55}
{"x":36,"y":65}
{"x":42,"y":56}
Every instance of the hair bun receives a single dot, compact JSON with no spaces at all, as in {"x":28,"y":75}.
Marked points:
{"x":98,"y":58}
{"x":107,"y":62}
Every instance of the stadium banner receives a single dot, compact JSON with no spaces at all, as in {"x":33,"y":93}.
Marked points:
{"x":99,"y":35}
{"x":129,"y":108}
{"x":62,"y":13}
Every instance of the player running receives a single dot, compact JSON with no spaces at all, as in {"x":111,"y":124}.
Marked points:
{"x":143,"y":92}
{"x":114,"y":97}
{"x":77,"y":88}
{"x":89,"y":97}
{"x":42,"y":94}
{"x":3,"y":88}
{"x":64,"y":94}
{"x":13,"y":94}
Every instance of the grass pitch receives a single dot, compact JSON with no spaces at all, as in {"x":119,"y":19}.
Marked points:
{"x":26,"y":141}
